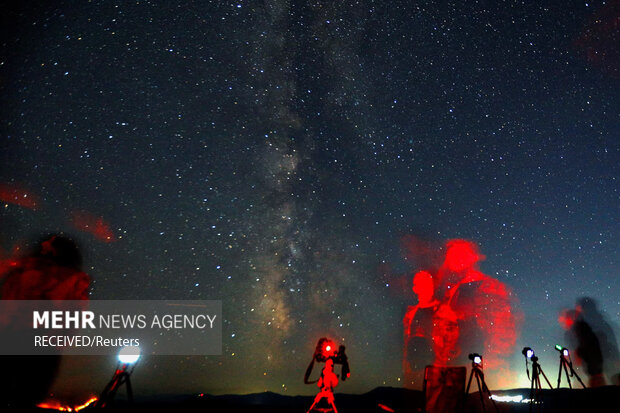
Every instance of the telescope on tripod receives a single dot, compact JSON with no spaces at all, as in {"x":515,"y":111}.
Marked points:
{"x":537,"y":371}
{"x":127,"y":358}
{"x":566,"y":365}
{"x":476,"y":371}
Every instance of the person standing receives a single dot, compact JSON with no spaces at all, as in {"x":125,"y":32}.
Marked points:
{"x":418,"y":330}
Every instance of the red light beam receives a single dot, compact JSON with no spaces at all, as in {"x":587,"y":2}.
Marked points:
{"x":92,"y":224}
{"x":15,"y":195}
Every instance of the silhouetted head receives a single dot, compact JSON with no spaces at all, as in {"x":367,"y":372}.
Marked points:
{"x":587,"y":305}
{"x":61,"y":250}
{"x":423,"y":286}
{"x":461,"y":255}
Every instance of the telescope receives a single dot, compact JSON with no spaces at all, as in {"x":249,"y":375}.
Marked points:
{"x":562,"y":350}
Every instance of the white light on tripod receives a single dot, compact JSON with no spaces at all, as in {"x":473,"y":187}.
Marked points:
{"x":129,"y":355}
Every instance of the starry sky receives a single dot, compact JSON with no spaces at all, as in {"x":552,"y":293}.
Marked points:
{"x":274,"y":155}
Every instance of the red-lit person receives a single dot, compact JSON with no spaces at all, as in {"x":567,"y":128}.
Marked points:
{"x":418,"y":330}
{"x":51,"y":272}
{"x":481,"y":306}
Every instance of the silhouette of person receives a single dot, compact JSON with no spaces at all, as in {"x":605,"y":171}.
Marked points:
{"x":585,"y":345}
{"x":477,"y":313}
{"x":51,"y":272}
{"x":587,"y":310}
{"x":418,"y":330}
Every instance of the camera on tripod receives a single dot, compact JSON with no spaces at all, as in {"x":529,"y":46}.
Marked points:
{"x":327,"y":352}
{"x":326,"y":349}
{"x":476,"y":359}
{"x":529,"y":354}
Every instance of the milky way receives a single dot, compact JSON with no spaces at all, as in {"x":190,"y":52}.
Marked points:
{"x":280,"y":157}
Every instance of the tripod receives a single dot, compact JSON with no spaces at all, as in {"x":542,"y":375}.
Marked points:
{"x":482,"y":386}
{"x":329,"y":396}
{"x":566,"y":364}
{"x":536,"y":372}
{"x":121,"y":376}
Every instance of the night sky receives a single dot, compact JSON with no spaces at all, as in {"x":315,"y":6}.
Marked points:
{"x":274,"y":155}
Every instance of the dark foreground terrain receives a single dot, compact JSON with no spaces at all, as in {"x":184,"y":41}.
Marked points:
{"x":381,"y":400}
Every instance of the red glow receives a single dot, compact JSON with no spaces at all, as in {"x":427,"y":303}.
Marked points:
{"x":55,"y":405}
{"x":385,"y":408}
{"x":40,"y":279}
{"x":329,"y":348}
{"x":461,"y":255}
{"x":328,"y":378}
{"x":326,"y":383}
{"x":18,"y":196}
{"x":463,"y":310}
{"x":597,"y":42}
{"x":481,"y":307}
{"x":83,"y":405}
{"x":567,"y":319}
{"x":423,"y":287}
{"x":87,"y":222}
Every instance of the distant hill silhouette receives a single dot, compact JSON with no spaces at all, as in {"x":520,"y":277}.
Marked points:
{"x":379,"y":400}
